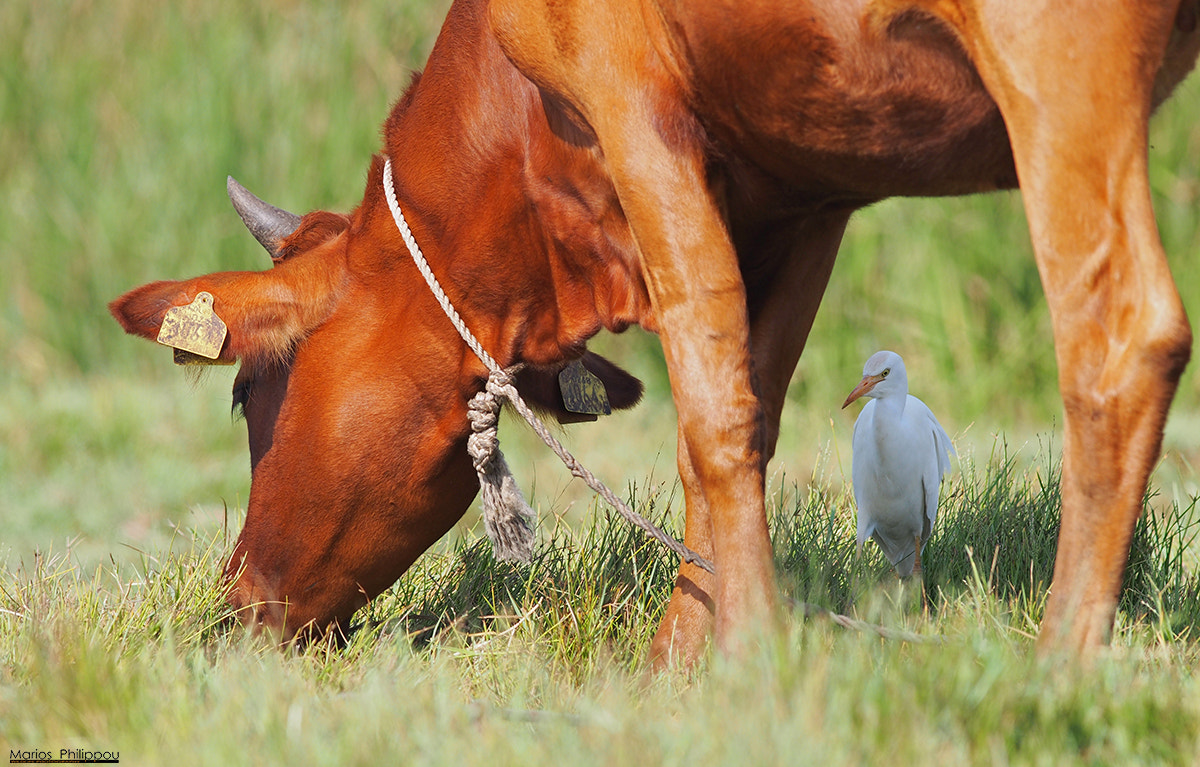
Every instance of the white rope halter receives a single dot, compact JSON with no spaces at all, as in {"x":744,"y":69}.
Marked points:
{"x":508,"y":519}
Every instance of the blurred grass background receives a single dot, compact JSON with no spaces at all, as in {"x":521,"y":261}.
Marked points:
{"x":119,"y":122}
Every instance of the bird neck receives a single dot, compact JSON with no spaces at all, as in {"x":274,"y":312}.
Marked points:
{"x":889,"y":409}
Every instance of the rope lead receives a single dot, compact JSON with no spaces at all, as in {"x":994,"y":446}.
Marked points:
{"x":507,"y":517}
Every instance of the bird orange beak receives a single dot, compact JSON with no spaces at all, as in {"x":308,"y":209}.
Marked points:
{"x":864,"y":386}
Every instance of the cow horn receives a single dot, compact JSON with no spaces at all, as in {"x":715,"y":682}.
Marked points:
{"x":268,"y":224}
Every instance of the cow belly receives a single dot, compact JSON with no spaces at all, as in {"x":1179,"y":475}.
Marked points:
{"x":799,"y":90}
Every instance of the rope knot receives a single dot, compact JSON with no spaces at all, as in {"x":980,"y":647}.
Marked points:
{"x":507,"y":517}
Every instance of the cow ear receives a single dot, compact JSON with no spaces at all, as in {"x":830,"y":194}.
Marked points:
{"x":266,"y":313}
{"x":539,"y":387}
{"x":624,"y":390}
{"x":141,"y":311}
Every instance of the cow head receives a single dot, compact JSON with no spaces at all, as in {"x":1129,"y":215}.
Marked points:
{"x":354,"y":388}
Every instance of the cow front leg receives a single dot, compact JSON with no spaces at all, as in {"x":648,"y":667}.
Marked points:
{"x":1076,"y":96}
{"x":782,"y":310}
{"x":616,"y":81}
{"x":699,"y":302}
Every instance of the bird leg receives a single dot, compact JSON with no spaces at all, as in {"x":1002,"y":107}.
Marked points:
{"x":918,"y":574}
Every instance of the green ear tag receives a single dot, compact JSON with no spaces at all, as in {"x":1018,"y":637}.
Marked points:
{"x":195,"y":331}
{"x":583,"y":392}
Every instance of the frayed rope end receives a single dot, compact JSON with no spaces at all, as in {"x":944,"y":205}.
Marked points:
{"x":507,"y":517}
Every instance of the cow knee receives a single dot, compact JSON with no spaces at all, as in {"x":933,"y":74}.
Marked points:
{"x":1170,"y":349}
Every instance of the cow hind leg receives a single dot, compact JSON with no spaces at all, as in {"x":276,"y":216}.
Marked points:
{"x":1075,"y":91}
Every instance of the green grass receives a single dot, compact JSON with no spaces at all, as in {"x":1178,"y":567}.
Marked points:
{"x":112,"y":464}
{"x":470,"y":658}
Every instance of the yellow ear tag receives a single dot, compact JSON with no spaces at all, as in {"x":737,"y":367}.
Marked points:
{"x":582,"y":392}
{"x":195,"y":331}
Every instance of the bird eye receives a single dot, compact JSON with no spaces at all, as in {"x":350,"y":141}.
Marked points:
{"x":885,"y":373}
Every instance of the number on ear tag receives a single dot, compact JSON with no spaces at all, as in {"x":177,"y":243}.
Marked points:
{"x":194,"y":328}
{"x":582,"y":392}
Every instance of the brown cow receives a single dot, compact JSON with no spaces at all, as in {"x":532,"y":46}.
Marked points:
{"x":573,"y":165}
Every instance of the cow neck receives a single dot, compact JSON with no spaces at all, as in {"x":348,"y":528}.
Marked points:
{"x":431,"y":280}
{"x":473,"y":134}
{"x":508,"y":518}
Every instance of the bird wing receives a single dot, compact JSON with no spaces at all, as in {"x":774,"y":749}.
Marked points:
{"x":931,"y":483}
{"x":941,"y":441}
{"x":932,"y":473}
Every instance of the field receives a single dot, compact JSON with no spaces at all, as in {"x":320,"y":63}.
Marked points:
{"x":123,"y":483}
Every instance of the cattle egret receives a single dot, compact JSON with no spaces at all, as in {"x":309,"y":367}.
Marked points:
{"x":900,"y":455}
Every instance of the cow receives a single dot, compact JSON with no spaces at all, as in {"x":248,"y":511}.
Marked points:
{"x":569,"y":166}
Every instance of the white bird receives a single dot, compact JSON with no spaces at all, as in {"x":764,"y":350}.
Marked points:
{"x":900,"y":455}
